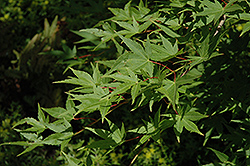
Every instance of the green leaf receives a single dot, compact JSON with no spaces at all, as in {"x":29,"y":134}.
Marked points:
{"x":120,"y":89}
{"x":30,"y":136}
{"x":231,"y":6}
{"x":168,"y":31}
{"x":164,"y":124}
{"x":135,"y":91}
{"x":222,"y":157}
{"x":214,"y":9}
{"x":105,"y":108}
{"x":41,"y":116}
{"x":70,"y":106}
{"x":178,"y":125}
{"x":157,"y":117}
{"x":71,"y":160}
{"x":37,"y":126}
{"x":194,"y":116}
{"x":134,"y":47}
{"x":118,"y":46}
{"x":170,"y":91}
{"x":148,"y":48}
{"x":203,"y":50}
{"x":245,"y":28}
{"x":123,"y":78}
{"x":96,"y":74}
{"x":100,"y":132}
{"x":84,"y":76}
{"x":189,"y":77}
{"x":190,"y":126}
{"x":57,"y":138}
{"x":59,"y":113}
{"x":136,"y":63}
{"x":116,"y":134}
{"x":30,"y":121}
{"x":139,"y":130}
{"x":172,"y":50}
{"x":59,"y":125}
{"x":142,"y":141}
{"x":120,"y":62}
{"x":144,"y":26}
{"x":244,"y":16}
{"x":20,"y":143}
{"x":103,"y":144}
{"x":30,"y":148}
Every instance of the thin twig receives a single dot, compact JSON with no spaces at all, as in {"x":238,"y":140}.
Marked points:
{"x":220,"y":24}
{"x":139,"y":152}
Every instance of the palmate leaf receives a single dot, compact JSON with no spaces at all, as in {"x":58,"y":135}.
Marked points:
{"x":121,"y":14}
{"x":119,"y":62}
{"x":217,"y":10}
{"x":171,"y":50}
{"x":112,"y":138}
{"x":133,"y":29}
{"x":214,"y":9}
{"x":184,"y":122}
{"x":204,"y":48}
{"x":170,"y":91}
{"x":134,"y":47}
{"x":138,"y":60}
{"x":164,"y":52}
{"x":152,"y":130}
{"x":84,"y":79}
{"x":37,"y":126}
{"x":187,"y":115}
{"x":116,"y":134}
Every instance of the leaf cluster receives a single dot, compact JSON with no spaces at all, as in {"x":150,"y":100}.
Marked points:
{"x":162,"y":56}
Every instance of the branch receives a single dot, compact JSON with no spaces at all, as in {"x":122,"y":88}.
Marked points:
{"x":220,"y":24}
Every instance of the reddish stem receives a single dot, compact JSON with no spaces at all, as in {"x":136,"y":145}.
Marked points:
{"x":84,"y":56}
{"x":84,"y":118}
{"x":194,"y":49}
{"x":168,"y":103}
{"x":149,"y":78}
{"x":224,"y":2}
{"x":166,"y":68}
{"x":133,"y":138}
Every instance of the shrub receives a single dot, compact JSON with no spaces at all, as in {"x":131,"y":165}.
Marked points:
{"x":181,"y":68}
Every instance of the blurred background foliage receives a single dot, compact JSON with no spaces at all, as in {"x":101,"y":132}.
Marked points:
{"x":37,"y":46}
{"x":29,"y":29}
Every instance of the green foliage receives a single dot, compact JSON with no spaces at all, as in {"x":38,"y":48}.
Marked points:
{"x":175,"y":65}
